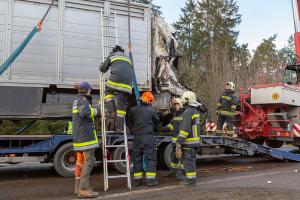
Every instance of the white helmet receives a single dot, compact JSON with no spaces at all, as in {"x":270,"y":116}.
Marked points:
{"x":178,"y":101}
{"x":230,"y":86}
{"x":189,"y":98}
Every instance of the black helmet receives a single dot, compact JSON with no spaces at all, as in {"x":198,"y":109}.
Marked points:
{"x":118,"y":48}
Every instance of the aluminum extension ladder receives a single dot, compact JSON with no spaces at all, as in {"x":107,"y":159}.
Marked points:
{"x":107,"y":28}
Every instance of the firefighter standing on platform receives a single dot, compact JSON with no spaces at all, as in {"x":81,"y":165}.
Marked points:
{"x":188,"y":138}
{"x":85,"y":139}
{"x":175,"y":166}
{"x":141,"y":121}
{"x":226,"y":109}
{"x":119,"y":86}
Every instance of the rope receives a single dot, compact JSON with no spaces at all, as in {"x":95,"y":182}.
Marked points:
{"x":129,"y":27}
{"x":40,"y":23}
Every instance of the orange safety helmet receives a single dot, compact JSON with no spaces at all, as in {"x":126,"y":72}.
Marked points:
{"x":147,"y":97}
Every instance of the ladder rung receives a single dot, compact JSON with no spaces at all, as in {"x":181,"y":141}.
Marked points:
{"x":115,"y":161}
{"x":118,"y":176}
{"x":114,"y":132}
{"x":108,"y":46}
{"x":121,"y":145}
{"x":110,"y":26}
{"x":113,"y":17}
{"x":110,"y":36}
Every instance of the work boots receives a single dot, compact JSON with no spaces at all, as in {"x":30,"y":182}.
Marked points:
{"x":87,"y":193}
{"x":138,"y":182}
{"x":188,"y":182}
{"x":77,"y":185}
{"x":180,"y":175}
{"x":151,"y":182}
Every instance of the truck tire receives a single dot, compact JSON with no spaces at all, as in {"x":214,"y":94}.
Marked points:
{"x":274,"y":143}
{"x":167,"y":155}
{"x":119,"y":154}
{"x":65,"y":160}
{"x":164,"y":155}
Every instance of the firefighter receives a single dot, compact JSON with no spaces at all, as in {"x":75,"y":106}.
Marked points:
{"x":175,"y":166}
{"x":188,"y":138}
{"x":85,"y":139}
{"x":119,"y":86}
{"x":68,"y":128}
{"x":142,"y":120}
{"x":226,"y":109}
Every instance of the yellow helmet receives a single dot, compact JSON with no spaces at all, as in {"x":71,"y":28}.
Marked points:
{"x":190,"y":98}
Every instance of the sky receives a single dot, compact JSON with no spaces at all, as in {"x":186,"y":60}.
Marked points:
{"x":260,"y":19}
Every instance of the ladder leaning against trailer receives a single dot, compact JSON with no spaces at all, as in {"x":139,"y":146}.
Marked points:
{"x":107,"y":30}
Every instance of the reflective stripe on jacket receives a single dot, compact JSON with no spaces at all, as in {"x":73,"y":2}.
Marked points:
{"x":189,"y":129}
{"x":69,"y":128}
{"x":121,"y":72}
{"x":84,"y":133}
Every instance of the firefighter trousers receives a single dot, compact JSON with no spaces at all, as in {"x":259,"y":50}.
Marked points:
{"x":116,"y":103}
{"x":189,"y":162}
{"x":88,"y":164}
{"x":144,"y":146}
{"x":221,"y":121}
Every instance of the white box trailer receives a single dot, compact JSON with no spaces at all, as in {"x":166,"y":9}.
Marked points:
{"x":68,"y":50}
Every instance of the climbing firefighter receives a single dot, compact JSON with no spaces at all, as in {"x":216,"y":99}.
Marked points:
{"x":188,"y":138}
{"x":226,"y":109}
{"x":85,"y":139}
{"x":119,"y":86}
{"x":173,"y":127}
{"x":142,"y":120}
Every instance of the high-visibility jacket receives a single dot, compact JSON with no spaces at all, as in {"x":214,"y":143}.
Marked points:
{"x":68,"y":128}
{"x":227,"y":103}
{"x":121,"y":72}
{"x":189,"y":129}
{"x":84,"y":133}
{"x":174,"y":125}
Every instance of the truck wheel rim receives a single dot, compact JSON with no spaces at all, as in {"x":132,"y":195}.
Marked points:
{"x":68,"y":160}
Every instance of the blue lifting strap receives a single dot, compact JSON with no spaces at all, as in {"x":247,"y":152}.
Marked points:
{"x":135,"y":85}
{"x":22,"y":46}
{"x":18,"y":51}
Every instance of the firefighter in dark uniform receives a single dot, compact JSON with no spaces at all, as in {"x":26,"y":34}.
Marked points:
{"x":85,"y":139}
{"x":175,"y":166}
{"x":226,"y":109}
{"x":141,"y":121}
{"x":119,"y":86}
{"x":188,"y":138}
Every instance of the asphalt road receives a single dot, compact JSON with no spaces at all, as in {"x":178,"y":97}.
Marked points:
{"x":224,"y":179}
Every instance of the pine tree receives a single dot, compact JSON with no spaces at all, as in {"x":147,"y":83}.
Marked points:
{"x":288,"y":54}
{"x":266,"y":63}
{"x":155,"y":8}
{"x":185,"y":24}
